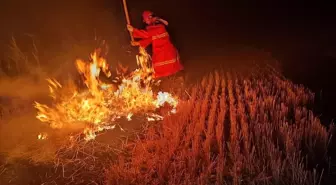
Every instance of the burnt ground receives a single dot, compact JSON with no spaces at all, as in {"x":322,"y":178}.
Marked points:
{"x":26,"y":160}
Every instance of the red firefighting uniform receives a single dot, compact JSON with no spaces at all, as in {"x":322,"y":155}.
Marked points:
{"x":165,"y":59}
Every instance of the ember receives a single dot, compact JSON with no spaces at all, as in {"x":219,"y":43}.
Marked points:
{"x":100,"y":105}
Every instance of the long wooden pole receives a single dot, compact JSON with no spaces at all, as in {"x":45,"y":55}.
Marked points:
{"x":127,"y":17}
{"x":141,"y":50}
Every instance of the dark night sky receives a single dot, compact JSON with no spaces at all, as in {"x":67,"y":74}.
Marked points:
{"x":261,"y":24}
{"x":287,"y":27}
{"x":301,"y":35}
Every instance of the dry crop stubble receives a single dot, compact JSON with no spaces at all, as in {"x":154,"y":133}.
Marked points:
{"x":236,"y":128}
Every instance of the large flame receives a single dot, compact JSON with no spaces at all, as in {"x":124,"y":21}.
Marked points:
{"x":97,"y":107}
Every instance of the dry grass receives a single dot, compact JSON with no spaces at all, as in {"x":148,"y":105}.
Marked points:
{"x":235,"y":129}
{"x":63,"y":158}
{"x":19,"y":62}
{"x":57,"y":159}
{"x":28,"y":65}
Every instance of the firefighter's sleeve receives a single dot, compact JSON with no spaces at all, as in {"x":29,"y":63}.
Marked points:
{"x":145,"y":42}
{"x":141,"y":34}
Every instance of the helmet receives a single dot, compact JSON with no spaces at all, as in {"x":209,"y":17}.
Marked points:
{"x":147,"y":15}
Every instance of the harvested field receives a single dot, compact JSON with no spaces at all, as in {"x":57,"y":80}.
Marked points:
{"x":237,"y":128}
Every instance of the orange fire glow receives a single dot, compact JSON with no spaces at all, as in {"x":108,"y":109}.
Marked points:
{"x":101,"y":104}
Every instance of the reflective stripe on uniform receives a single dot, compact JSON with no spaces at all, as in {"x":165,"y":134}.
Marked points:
{"x":165,"y":34}
{"x":165,"y":62}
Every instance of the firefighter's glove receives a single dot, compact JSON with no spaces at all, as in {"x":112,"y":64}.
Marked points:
{"x":130,"y":28}
{"x":134,"y":43}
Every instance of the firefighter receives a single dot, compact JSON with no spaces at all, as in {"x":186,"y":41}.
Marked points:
{"x":165,"y":57}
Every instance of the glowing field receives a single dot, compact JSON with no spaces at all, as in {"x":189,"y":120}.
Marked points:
{"x":235,"y":129}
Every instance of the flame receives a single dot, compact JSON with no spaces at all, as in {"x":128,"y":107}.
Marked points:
{"x":101,"y":104}
{"x":42,"y":136}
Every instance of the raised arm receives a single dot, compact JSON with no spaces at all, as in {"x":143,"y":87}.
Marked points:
{"x":137,"y":33}
{"x":145,"y":37}
{"x":141,"y":34}
{"x":145,"y":42}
